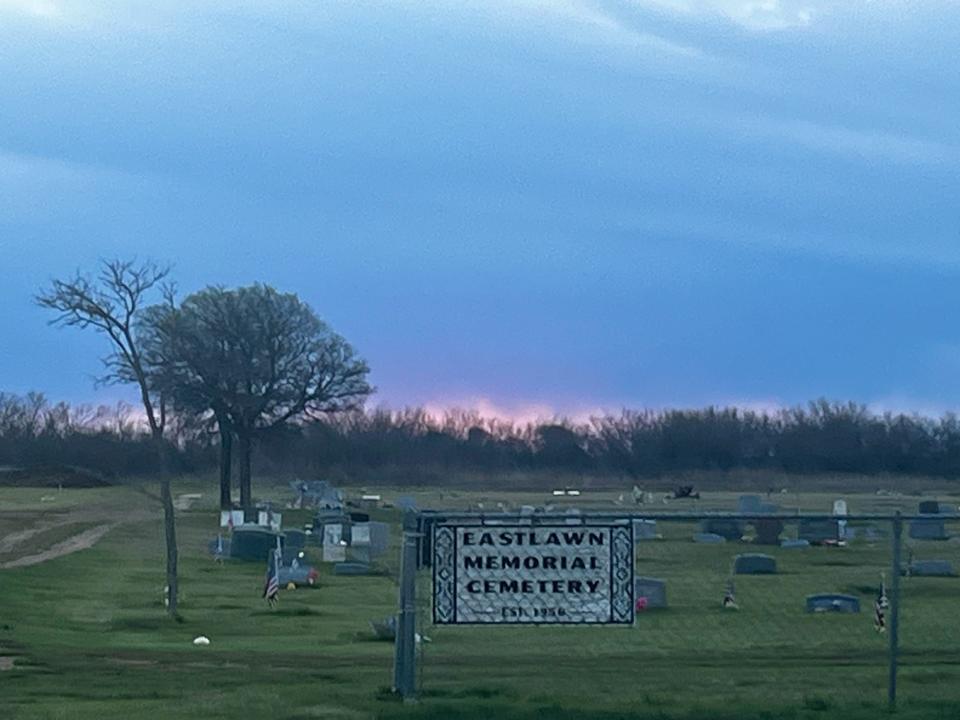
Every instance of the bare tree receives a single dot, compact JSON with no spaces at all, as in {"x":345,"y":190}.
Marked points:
{"x":110,"y":304}
{"x":256,"y":359}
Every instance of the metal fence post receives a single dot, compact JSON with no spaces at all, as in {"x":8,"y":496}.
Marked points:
{"x":894,"y":612}
{"x":404,"y":667}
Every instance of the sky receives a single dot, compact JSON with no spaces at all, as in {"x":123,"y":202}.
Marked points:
{"x":526,"y":207}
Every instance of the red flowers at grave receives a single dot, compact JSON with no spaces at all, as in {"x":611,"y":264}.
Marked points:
{"x":641,"y":604}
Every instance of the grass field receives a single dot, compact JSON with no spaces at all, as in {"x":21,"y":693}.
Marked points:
{"x":88,"y":637}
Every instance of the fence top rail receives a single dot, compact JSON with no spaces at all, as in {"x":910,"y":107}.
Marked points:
{"x":625,"y":515}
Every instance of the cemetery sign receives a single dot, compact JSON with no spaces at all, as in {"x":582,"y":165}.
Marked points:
{"x":533,"y":574}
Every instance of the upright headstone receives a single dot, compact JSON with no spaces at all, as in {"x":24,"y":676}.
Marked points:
{"x":379,"y":538}
{"x":931,"y":528}
{"x":930,"y":568}
{"x":334,"y":545}
{"x":727,"y":528}
{"x":749,"y":504}
{"x":817,"y":532}
{"x":231,"y":518}
{"x":653,"y":589}
{"x":768,"y":530}
{"x":644,"y":530}
{"x":754,"y":564}
{"x":251,"y":542}
{"x":929,"y":507}
{"x":840,"y":511}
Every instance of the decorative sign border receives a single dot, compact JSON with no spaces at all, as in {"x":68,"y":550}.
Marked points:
{"x":621,"y":564}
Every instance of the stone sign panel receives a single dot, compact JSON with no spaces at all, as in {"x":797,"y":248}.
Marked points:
{"x":530,"y":574}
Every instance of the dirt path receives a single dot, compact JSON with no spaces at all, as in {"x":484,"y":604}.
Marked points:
{"x":80,"y":541}
{"x":9,"y":542}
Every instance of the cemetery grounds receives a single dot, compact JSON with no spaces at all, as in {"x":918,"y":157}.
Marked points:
{"x":83,"y":633}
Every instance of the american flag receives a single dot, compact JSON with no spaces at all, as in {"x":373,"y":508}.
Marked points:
{"x":271,"y":589}
{"x":880,"y":608}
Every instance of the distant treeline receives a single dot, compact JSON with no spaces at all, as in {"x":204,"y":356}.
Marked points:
{"x":824,"y":437}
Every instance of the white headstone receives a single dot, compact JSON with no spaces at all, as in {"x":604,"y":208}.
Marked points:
{"x":360,"y":534}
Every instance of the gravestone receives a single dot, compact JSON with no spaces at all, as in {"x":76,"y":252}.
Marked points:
{"x":768,"y":530}
{"x":644,"y":530}
{"x":819,"y":531}
{"x":379,"y":538}
{"x":928,"y":529}
{"x":334,"y":546}
{"x":269,"y":519}
{"x":725,"y":527}
{"x":709,"y":538}
{"x":360,"y":534}
{"x":929,"y":507}
{"x":231,"y":517}
{"x":653,"y":589}
{"x":351,"y":568}
{"x":794,"y":543}
{"x":754,"y":564}
{"x":300,"y":575}
{"x":749,"y":504}
{"x":251,"y":542}
{"x":832,"y":602}
{"x":930,"y":568}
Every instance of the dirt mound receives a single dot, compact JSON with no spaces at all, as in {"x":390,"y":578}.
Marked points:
{"x":51,"y":476}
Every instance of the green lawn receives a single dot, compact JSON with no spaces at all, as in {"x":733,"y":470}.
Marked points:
{"x":90,"y":638}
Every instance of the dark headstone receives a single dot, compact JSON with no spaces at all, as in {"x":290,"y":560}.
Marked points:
{"x":754,"y":564}
{"x":359,"y":517}
{"x":929,"y":507}
{"x":644,"y":530}
{"x":653,"y":589}
{"x":253,"y":543}
{"x":931,"y":568}
{"x":830,"y":602}
{"x":299,"y":576}
{"x":768,"y":530}
{"x":819,"y":531}
{"x":726,"y":528}
{"x":928,"y":529}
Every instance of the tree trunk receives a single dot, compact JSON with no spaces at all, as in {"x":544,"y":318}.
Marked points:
{"x":246,"y":498}
{"x":170,"y":529}
{"x":226,"y":451}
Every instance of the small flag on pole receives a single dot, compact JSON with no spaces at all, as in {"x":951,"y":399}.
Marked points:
{"x":880,"y":606}
{"x":271,"y":589}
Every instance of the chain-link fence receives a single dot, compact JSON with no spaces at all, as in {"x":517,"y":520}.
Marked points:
{"x":726,"y":610}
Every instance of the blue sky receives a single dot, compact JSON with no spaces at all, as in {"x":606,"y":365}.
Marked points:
{"x":523,"y":206}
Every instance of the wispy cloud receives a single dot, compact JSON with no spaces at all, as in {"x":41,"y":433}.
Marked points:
{"x":34,"y":8}
{"x":756,"y":15}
